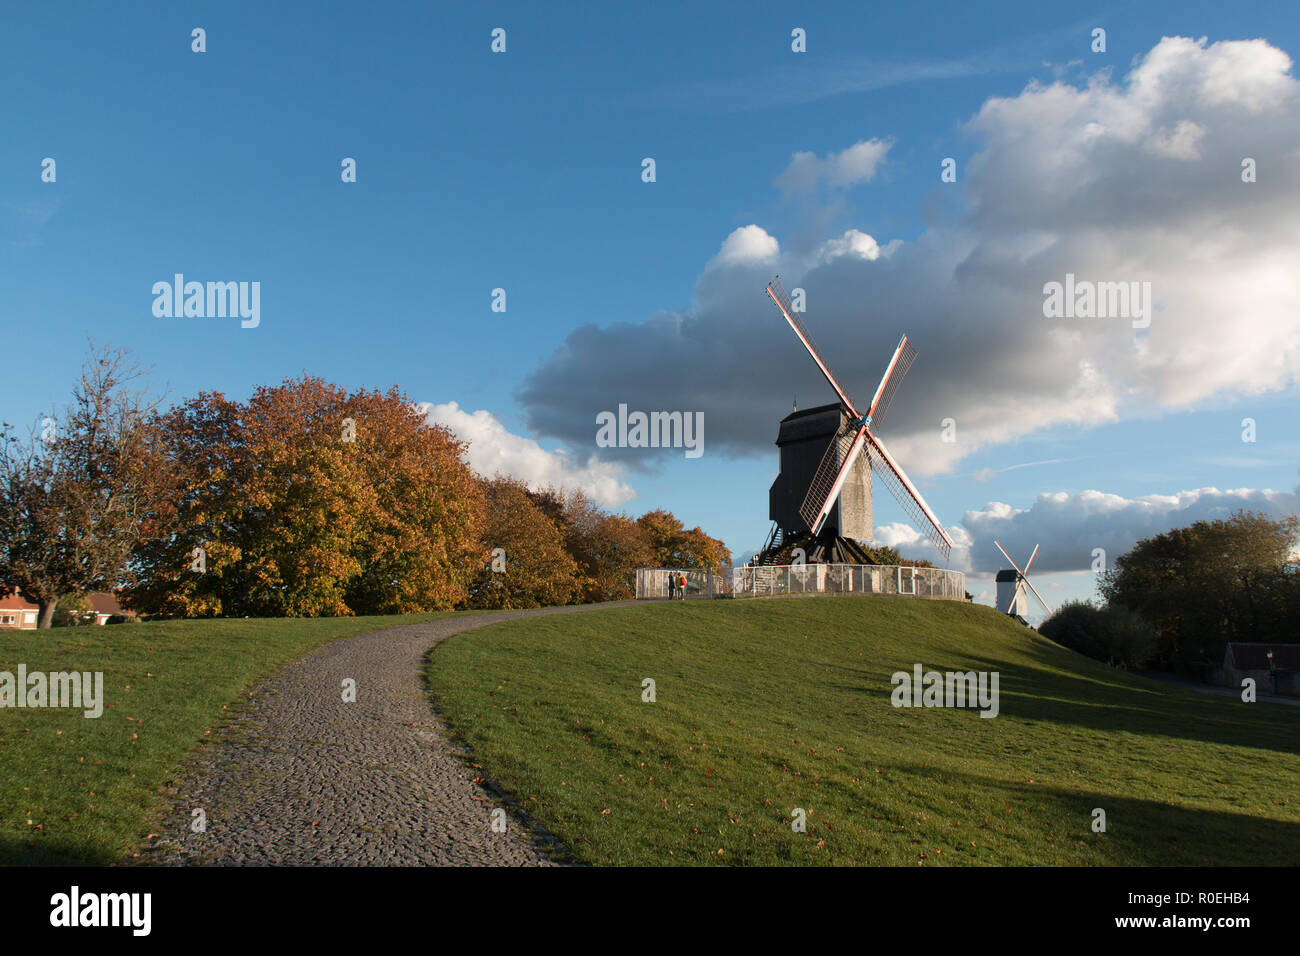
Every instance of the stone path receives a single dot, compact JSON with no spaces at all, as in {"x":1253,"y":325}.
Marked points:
{"x":1261,"y":695}
{"x":301,"y":778}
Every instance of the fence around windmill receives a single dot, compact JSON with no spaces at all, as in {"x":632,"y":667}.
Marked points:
{"x":778,"y":580}
{"x":652,"y":583}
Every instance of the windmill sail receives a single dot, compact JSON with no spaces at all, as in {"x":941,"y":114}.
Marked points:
{"x":844,"y":451}
{"x":904,"y":356}
{"x":818,"y":501}
{"x":782,"y":300}
{"x":883,"y":466}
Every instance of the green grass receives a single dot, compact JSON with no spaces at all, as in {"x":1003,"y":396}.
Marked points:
{"x":81,"y":791}
{"x":764,"y":706}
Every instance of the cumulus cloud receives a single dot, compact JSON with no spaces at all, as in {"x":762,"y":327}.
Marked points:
{"x":853,"y":243}
{"x":1068,"y":527}
{"x":1129,"y":180}
{"x":495,"y":451}
{"x":856,"y":164}
{"x":748,"y":245}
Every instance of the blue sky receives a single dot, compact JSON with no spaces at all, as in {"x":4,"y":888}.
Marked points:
{"x":522,"y":171}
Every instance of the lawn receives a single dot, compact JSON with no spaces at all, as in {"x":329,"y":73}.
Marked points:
{"x":75,"y":790}
{"x":767,"y":706}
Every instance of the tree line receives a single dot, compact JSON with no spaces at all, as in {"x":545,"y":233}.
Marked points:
{"x":1176,"y":599}
{"x":305,"y":500}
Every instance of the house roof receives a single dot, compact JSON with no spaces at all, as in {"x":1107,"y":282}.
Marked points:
{"x":810,"y":423}
{"x":16,"y":602}
{"x":101,"y":602}
{"x":1254,"y":657}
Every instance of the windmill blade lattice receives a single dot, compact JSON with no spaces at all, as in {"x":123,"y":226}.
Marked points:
{"x":905,"y":360}
{"x":881,"y":467}
{"x":782,"y":298}
{"x":823,"y":480}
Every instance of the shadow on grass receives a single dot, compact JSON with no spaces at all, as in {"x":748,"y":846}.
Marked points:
{"x":1100,"y":698}
{"x":1096,"y":697}
{"x":1144,"y":832}
{"x":42,"y":850}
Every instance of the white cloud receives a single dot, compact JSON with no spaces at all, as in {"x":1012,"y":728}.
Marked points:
{"x":495,"y":451}
{"x":1182,"y":142}
{"x":856,"y":164}
{"x":748,"y":245}
{"x":1100,"y":180}
{"x":1068,"y":527}
{"x":853,"y":243}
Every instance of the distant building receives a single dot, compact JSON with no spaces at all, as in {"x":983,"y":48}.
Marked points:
{"x":103,"y":605}
{"x":17,"y":612}
{"x":1275,"y":667}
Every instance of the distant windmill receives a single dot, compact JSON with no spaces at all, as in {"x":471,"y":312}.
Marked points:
{"x":1011,"y":587}
{"x":822,"y":521}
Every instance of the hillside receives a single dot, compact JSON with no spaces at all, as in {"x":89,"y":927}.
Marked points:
{"x":767,"y":706}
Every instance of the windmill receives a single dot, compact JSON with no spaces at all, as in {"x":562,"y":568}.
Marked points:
{"x":834,"y":495}
{"x":1011,"y":587}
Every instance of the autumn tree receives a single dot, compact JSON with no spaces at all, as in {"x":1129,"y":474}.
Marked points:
{"x":608,"y":549}
{"x":309,"y":501}
{"x":676,"y":547}
{"x":527,"y":564}
{"x":75,"y":495}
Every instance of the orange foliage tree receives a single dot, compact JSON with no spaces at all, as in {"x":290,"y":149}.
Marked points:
{"x":309,"y":501}
{"x":677,"y":547}
{"x":608,"y":548}
{"x":533,"y":567}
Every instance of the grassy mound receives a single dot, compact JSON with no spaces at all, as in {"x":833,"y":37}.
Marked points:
{"x":767,"y":706}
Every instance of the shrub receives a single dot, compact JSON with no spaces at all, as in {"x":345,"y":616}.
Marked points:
{"x":1112,"y":634}
{"x":73,"y":610}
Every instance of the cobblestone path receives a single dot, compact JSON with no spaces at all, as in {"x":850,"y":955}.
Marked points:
{"x":300,"y":778}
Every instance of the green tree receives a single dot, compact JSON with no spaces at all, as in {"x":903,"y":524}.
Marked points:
{"x":73,"y":610}
{"x":1112,"y":633}
{"x":1209,"y":583}
{"x":890,"y":557}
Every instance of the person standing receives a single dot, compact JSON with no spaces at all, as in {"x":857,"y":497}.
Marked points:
{"x":672,"y":585}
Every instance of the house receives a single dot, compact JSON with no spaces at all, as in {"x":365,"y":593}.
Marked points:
{"x":103,"y":605}
{"x":17,"y":612}
{"x":1274,"y":667}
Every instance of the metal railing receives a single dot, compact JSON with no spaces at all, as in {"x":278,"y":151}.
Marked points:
{"x":652,"y":583}
{"x":774,"y":580}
